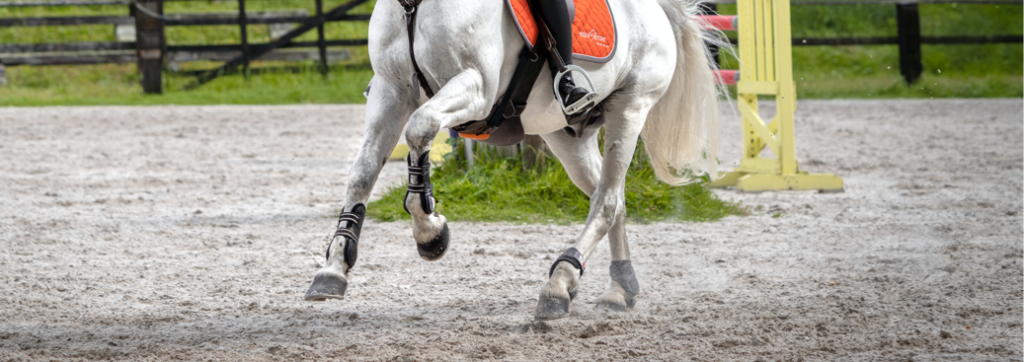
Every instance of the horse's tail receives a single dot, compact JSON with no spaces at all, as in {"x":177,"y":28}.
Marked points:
{"x":681,"y":133}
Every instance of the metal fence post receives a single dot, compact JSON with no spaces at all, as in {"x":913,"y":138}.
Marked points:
{"x":320,"y":42}
{"x":150,"y":45}
{"x":908,"y":34}
{"x":244,"y":33}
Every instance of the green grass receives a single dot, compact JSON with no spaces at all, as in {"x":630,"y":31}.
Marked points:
{"x":498,"y":189}
{"x":964,"y":71}
{"x":117,"y":85}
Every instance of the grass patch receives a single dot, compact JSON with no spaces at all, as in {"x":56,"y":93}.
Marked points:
{"x":498,"y":189}
{"x":117,"y":84}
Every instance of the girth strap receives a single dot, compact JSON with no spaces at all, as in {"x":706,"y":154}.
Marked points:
{"x":410,"y":24}
{"x":513,"y":103}
{"x":572,"y":256}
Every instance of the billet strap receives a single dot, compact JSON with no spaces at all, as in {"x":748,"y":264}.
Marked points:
{"x":571,"y":256}
{"x":410,"y":24}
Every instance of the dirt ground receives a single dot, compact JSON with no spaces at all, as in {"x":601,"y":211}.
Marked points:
{"x":191,"y":233}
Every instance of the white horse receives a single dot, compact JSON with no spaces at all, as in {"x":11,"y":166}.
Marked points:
{"x":658,"y":85}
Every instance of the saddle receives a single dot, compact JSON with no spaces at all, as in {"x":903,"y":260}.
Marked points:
{"x":593,"y":40}
{"x":593,"y":27}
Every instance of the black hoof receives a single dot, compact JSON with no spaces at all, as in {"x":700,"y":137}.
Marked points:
{"x":326,"y":286}
{"x":552,"y":308}
{"x":436,"y":248}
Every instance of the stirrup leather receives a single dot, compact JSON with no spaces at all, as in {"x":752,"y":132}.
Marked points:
{"x":587,"y":102}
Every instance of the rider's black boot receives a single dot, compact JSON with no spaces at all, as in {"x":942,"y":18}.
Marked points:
{"x":555,"y":14}
{"x":569,"y":91}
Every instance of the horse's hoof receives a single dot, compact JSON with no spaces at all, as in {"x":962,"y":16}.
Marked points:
{"x":436,"y":248}
{"x":621,"y":294}
{"x":616,"y":304}
{"x":549,"y":308}
{"x":326,"y":286}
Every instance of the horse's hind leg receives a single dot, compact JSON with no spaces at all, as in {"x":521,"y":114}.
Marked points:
{"x":580,"y":157}
{"x":607,"y":206}
{"x":623,"y":288}
{"x":387,"y":110}
{"x":582,"y":161}
{"x":460,"y":100}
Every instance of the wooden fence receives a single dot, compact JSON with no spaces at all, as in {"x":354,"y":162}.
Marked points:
{"x":149,"y":49}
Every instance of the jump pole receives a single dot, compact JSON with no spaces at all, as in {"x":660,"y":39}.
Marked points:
{"x":766,"y":68}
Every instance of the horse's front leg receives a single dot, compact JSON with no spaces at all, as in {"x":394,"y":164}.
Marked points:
{"x":607,"y":210}
{"x":461,"y":100}
{"x":387,"y":110}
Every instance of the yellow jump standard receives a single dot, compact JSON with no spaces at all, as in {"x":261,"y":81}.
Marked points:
{"x":766,"y":59}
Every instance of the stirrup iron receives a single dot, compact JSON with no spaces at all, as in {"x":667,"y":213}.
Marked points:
{"x":588,"y":101}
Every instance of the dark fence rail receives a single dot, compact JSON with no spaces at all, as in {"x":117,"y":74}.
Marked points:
{"x":959,"y":39}
{"x":171,"y":20}
{"x":64,"y":47}
{"x":150,"y":50}
{"x":908,"y":30}
{"x":15,"y":4}
{"x":68,"y":20}
{"x":71,"y":59}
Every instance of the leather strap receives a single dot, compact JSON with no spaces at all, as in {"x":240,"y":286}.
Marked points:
{"x":513,"y":103}
{"x":572,"y":256}
{"x":546,"y":38}
{"x":410,"y":23}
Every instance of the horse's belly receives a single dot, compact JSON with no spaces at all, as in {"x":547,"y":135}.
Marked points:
{"x":543,"y":115}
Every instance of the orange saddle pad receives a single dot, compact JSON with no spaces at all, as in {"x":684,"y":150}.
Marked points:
{"x":593,"y":29}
